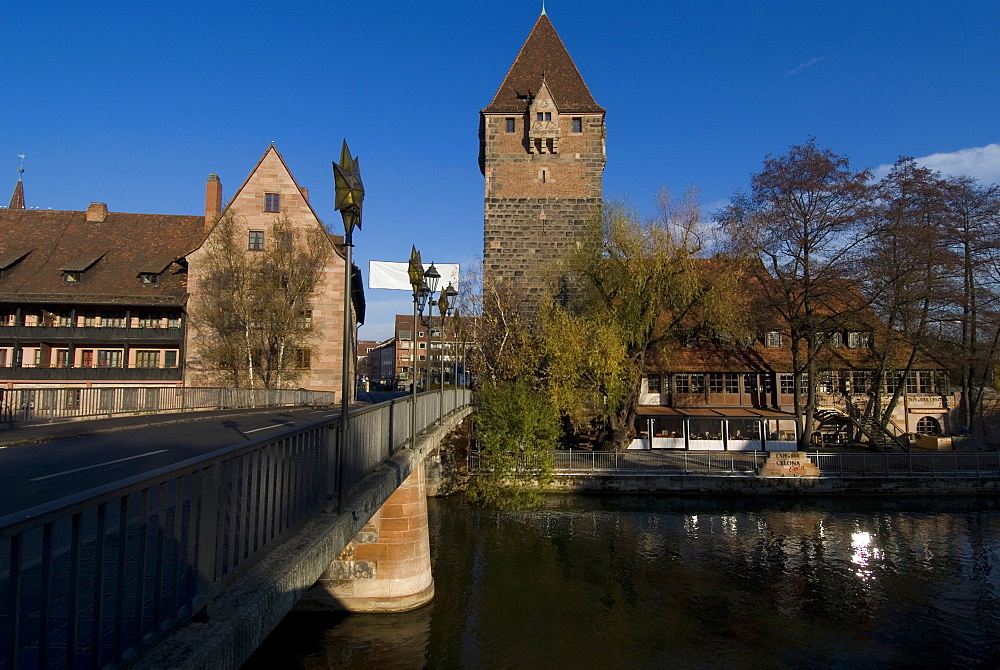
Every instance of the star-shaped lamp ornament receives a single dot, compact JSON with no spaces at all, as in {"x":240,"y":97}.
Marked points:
{"x":350,"y":192}
{"x":415,"y":271}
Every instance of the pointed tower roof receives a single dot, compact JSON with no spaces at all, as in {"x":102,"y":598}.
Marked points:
{"x":17,"y":200}
{"x":543,"y":55}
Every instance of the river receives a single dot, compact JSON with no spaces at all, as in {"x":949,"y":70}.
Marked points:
{"x":610,"y":581}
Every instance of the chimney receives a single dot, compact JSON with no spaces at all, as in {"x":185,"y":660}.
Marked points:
{"x":213,"y":199}
{"x":305,"y":192}
{"x":97,"y":212}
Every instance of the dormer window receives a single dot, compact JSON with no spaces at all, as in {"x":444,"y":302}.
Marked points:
{"x":73,"y":271}
{"x":272,"y":202}
{"x":149,"y":278}
{"x":772,"y":339}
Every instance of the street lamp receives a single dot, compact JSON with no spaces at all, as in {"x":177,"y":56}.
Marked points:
{"x":444,"y":309}
{"x":415,"y":272}
{"x":350,"y":195}
{"x":431,"y":279}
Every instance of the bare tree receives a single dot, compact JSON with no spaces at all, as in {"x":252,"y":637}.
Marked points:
{"x":905,"y":272}
{"x":253,"y":313}
{"x":974,"y":238}
{"x":800,"y":223}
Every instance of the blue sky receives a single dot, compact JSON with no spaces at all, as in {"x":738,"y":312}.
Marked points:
{"x":134,"y":104}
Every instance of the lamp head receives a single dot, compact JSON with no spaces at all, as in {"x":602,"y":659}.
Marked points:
{"x":431,"y":278}
{"x":350,"y":192}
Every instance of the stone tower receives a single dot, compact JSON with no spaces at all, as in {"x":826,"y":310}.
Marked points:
{"x":541,"y":150}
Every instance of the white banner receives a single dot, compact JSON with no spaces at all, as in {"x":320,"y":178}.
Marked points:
{"x":387,"y":274}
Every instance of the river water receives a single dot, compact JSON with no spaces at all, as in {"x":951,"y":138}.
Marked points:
{"x":613,"y":581}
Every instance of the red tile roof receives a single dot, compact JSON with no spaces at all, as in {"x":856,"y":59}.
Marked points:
{"x":543,"y":55}
{"x":115,"y":252}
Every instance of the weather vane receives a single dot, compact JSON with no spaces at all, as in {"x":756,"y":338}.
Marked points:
{"x":21,"y":169}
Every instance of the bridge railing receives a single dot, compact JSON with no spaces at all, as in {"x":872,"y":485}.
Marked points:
{"x":90,"y":580}
{"x":24,"y":404}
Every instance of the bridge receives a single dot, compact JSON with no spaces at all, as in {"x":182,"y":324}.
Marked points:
{"x":192,"y":565}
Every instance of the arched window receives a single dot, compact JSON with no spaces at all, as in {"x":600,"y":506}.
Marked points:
{"x":928,"y":425}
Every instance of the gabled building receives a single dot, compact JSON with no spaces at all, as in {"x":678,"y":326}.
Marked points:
{"x":98,"y":297}
{"x":271,"y":196}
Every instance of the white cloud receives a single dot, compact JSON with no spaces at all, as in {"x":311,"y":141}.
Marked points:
{"x":803,"y":66}
{"x":983,"y":163}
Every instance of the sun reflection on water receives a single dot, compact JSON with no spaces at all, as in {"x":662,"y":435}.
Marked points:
{"x":864,"y":554}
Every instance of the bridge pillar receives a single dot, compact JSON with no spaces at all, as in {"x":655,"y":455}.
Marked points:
{"x":387,"y":566}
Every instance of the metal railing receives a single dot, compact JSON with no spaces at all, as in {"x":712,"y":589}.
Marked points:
{"x":24,"y":404}
{"x":739,"y":463}
{"x":90,"y":580}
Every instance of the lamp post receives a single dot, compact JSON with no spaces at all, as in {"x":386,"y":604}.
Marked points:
{"x":350,"y":195}
{"x":454,"y":352}
{"x":415,"y":272}
{"x":431,"y":279}
{"x":444,"y":309}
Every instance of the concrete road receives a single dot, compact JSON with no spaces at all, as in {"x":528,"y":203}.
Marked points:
{"x":46,"y":470}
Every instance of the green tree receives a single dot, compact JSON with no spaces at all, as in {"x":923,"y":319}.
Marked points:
{"x":639,"y":288}
{"x":517,"y":432}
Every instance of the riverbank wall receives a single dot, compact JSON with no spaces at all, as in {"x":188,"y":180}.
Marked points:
{"x":752,"y":485}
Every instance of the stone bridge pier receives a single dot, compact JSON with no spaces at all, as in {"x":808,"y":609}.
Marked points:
{"x":387,"y":566}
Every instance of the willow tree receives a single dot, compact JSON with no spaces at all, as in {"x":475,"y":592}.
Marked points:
{"x":638,"y":287}
{"x":253,"y":314}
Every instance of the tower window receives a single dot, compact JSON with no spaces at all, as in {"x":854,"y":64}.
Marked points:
{"x":510,"y":125}
{"x":577,"y":124}
{"x":272,"y":202}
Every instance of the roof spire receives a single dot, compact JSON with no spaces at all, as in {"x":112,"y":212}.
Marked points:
{"x":543,"y":8}
{"x":17,"y":200}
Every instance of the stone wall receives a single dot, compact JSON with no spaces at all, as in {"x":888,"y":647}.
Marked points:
{"x":537,"y":203}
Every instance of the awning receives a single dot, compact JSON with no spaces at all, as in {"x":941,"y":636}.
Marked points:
{"x":714,"y":412}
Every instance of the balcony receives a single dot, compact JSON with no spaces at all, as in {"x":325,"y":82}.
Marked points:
{"x":91,"y":374}
{"x":90,"y":334}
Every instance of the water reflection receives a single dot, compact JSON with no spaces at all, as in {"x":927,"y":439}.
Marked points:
{"x":606,"y":581}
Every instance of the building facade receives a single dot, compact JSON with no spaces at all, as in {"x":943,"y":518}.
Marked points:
{"x":407,"y":356}
{"x":102,"y":298}
{"x":270,"y":199}
{"x":542,"y":154}
{"x":711,"y":395}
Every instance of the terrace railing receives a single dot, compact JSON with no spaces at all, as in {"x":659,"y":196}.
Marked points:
{"x":570,"y":463}
{"x":90,"y":580}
